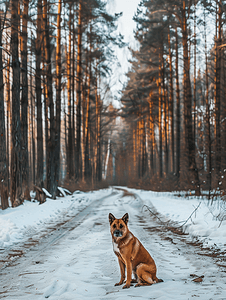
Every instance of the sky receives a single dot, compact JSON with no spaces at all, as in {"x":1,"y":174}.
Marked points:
{"x":126,"y":25}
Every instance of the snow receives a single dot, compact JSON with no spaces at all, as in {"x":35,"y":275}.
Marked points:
{"x":207,"y":224}
{"x":64,"y":191}
{"x":82,"y":265}
{"x":17,"y":224}
{"x":47,"y":193}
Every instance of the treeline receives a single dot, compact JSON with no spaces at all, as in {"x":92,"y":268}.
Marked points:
{"x":54,"y":60}
{"x":175,"y":98}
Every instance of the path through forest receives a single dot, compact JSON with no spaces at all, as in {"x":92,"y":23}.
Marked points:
{"x":76,"y":260}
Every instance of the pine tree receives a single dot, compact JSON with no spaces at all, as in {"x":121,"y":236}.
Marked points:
{"x":38,"y":91}
{"x":24,"y":105}
{"x":3,"y":158}
{"x":15,"y":176}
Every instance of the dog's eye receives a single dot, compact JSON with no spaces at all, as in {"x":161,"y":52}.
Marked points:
{"x":121,"y":226}
{"x":114,"y":226}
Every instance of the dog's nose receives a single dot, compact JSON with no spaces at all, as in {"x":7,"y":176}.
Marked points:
{"x":116,"y":233}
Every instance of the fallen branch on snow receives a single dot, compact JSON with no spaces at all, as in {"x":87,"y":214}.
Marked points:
{"x":191,"y":215}
{"x":154,"y":214}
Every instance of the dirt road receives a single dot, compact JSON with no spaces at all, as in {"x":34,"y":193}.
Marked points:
{"x":75,"y":260}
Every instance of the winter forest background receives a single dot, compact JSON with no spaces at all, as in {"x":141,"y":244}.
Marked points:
{"x":59,"y":125}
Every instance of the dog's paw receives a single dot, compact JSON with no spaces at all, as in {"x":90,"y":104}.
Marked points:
{"x":133,"y":281}
{"x":119,"y":283}
{"x":126,"y":286}
{"x":137,"y":285}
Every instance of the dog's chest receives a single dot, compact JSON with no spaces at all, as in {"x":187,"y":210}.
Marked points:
{"x":115,"y":247}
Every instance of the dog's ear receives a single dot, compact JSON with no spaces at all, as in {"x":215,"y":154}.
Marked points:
{"x":111,"y":218}
{"x":125,"y":218}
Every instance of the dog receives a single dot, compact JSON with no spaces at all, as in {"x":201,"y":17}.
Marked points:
{"x":131,"y":255}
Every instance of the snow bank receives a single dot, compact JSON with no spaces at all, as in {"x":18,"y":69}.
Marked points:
{"x":30,"y":219}
{"x":207,"y":223}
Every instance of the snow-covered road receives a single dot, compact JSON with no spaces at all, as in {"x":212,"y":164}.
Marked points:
{"x":76,"y":261}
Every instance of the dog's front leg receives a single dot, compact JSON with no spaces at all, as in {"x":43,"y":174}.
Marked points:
{"x":122,"y":270}
{"x":129,"y":274}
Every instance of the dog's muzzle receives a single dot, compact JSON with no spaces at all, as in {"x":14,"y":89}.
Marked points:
{"x":117,"y":233}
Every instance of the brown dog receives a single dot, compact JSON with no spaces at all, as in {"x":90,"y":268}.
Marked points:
{"x":131,"y":254}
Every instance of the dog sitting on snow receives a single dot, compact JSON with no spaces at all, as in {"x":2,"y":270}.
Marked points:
{"x":131,"y":255}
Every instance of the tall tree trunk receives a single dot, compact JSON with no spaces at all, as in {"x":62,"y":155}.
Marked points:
{"x":38,"y":89}
{"x":88,"y":123}
{"x":143,"y":145}
{"x":58,"y":100}
{"x":187,"y":106}
{"x":8,"y":147}
{"x":46,"y":105}
{"x":171,"y":106}
{"x":218,"y":93}
{"x":33,"y":132}
{"x":152,"y":137}
{"x":223,"y":99}
{"x":15,"y":178}
{"x":98,"y":133}
{"x":208,"y":132}
{"x":134,"y":148}
{"x":138,"y":146}
{"x":65,"y":127}
{"x":165,"y":117}
{"x":78,"y":94}
{"x":160,"y":115}
{"x":69,"y":143}
{"x":3,"y":158}
{"x":24,"y":106}
{"x":194,"y":95}
{"x":84,"y":107}
{"x":51,"y":185}
{"x":178,"y":123}
{"x":73,"y":94}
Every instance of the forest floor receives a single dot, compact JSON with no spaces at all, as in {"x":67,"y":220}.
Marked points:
{"x":65,"y":250}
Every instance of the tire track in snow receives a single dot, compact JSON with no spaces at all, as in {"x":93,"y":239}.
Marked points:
{"x":172,"y":245}
{"x":90,"y":267}
{"x":13,"y":268}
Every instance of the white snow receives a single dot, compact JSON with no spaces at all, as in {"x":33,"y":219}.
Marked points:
{"x":82,"y":264}
{"x":207,"y":224}
{"x":64,"y":191}
{"x":47,"y":193}
{"x":18,"y":224}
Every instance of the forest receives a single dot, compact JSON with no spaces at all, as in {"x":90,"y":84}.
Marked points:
{"x":174,"y":101}
{"x":59,"y":125}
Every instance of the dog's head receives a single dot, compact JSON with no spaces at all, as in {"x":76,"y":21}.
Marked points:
{"x":119,"y":227}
